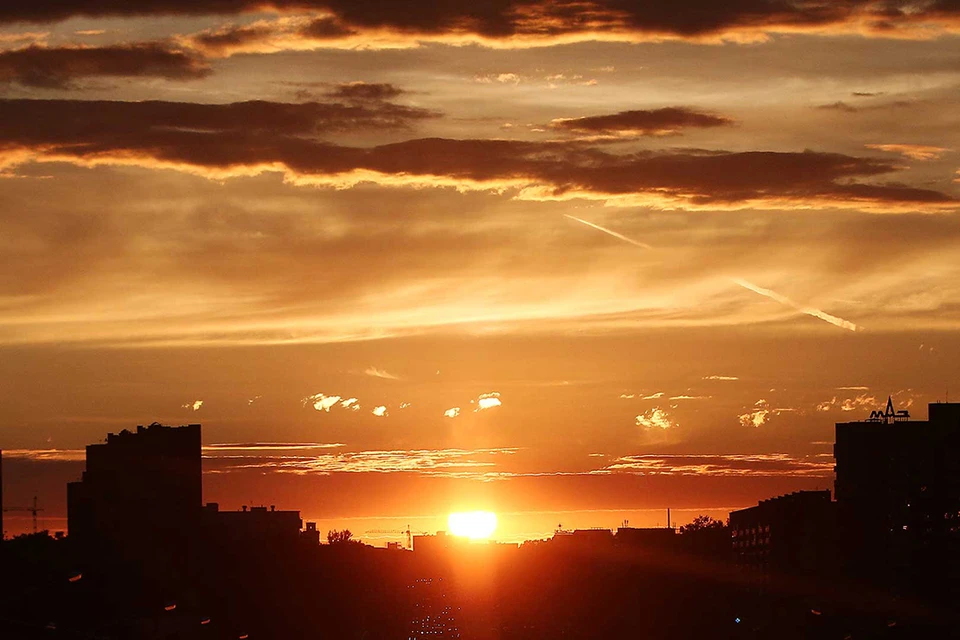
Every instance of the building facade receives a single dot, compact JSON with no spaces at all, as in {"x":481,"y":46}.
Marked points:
{"x":254,"y":525}
{"x":792,"y":534}
{"x":144,"y":485}
{"x":898,"y":497}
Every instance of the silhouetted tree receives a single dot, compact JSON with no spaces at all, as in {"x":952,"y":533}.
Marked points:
{"x":336,"y":536}
{"x":706,"y":537}
{"x":702,"y":523}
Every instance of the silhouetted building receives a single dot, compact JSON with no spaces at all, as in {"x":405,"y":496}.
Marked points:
{"x":582,"y":540}
{"x":653,"y":538}
{"x":138,"y":487}
{"x":432,"y":545}
{"x":254,"y":525}
{"x":310,"y":534}
{"x":592,"y":537}
{"x":792,"y":534}
{"x":898,"y":497}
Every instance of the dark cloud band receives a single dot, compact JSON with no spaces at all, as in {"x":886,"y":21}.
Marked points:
{"x":504,"y":19}
{"x":642,"y":122}
{"x":58,"y":68}
{"x":251,"y":137}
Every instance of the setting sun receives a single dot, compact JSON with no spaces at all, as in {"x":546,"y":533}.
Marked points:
{"x":476,"y":525}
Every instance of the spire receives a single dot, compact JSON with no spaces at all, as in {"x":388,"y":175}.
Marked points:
{"x":889,"y":413}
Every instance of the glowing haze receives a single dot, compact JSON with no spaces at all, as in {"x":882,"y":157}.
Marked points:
{"x":573,"y":263}
{"x":476,"y":525}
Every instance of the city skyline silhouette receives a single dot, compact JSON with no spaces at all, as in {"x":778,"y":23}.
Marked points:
{"x":882,"y":555}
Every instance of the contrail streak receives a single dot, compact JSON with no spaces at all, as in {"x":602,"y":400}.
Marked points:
{"x":635,"y":243}
{"x":810,"y":311}
{"x":767,"y":293}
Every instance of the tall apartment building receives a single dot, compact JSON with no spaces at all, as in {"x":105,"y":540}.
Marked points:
{"x":898,"y":499}
{"x":144,"y":485}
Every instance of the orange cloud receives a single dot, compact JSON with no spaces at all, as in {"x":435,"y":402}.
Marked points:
{"x":244,"y":139}
{"x":733,"y":465}
{"x":912,"y":151}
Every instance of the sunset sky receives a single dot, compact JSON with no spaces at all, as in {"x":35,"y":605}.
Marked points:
{"x":354,"y":240}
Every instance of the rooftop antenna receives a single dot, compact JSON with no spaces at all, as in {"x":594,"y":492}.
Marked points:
{"x":668,"y":518}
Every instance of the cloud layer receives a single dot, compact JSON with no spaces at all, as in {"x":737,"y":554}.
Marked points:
{"x":61,"y":67}
{"x":538,"y":22}
{"x":248,"y":138}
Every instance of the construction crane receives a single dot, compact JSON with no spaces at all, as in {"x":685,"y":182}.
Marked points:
{"x":34,"y":509}
{"x":407,"y":532}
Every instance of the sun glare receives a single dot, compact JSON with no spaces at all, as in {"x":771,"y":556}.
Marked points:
{"x":476,"y":525}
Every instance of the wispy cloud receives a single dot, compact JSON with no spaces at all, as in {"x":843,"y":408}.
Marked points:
{"x":380,"y":412}
{"x":226,"y":448}
{"x":46,"y":455}
{"x":761,"y":412}
{"x":452,"y":412}
{"x":502,"y":78}
{"x":193,"y":406}
{"x":438,"y":462}
{"x":721,"y":378}
{"x":736,"y":465}
{"x":912,"y":151}
{"x":861,"y":401}
{"x":380,"y":373}
{"x":476,"y":464}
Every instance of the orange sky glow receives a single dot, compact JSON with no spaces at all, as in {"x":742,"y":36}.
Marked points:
{"x":571,"y":263}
